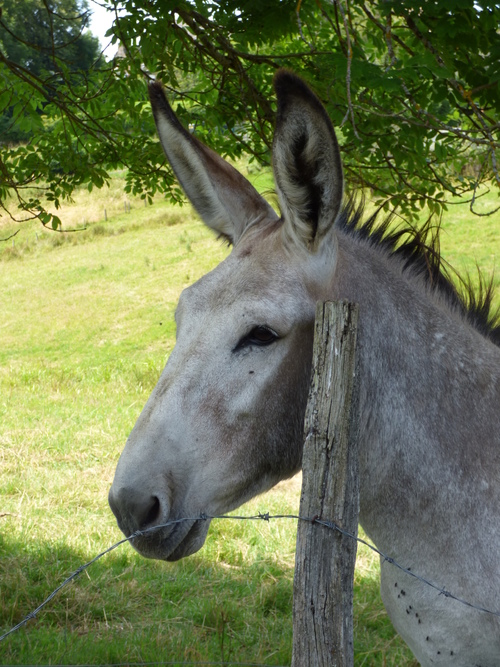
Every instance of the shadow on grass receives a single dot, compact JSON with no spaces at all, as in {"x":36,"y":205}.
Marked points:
{"x":125,"y":609}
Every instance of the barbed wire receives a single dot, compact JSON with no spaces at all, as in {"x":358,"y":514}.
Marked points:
{"x":257,"y":517}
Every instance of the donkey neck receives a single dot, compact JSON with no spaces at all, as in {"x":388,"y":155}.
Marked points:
{"x":425,"y":438}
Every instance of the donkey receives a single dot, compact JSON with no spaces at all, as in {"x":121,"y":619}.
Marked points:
{"x":225,"y":420}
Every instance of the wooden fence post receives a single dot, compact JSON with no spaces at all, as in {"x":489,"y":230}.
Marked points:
{"x":325,"y":559}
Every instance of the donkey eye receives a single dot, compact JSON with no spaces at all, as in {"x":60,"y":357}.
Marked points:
{"x":260,"y":336}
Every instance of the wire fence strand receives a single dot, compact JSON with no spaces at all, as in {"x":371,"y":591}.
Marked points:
{"x":331,"y":525}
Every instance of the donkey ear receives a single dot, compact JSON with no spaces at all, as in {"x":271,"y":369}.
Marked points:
{"x":306,"y":160}
{"x":225,"y":200}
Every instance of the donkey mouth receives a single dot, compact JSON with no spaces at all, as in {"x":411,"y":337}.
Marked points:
{"x":171,"y":544}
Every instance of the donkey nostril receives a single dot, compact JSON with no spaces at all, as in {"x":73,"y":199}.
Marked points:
{"x":135,"y":509}
{"x":153,"y":512}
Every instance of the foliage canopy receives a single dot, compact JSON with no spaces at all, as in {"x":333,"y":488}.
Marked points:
{"x":412,"y":87}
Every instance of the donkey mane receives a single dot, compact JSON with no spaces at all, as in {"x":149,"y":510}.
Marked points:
{"x":418,"y":249}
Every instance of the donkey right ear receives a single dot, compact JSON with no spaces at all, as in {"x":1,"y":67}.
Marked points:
{"x":225,"y":200}
{"x":306,"y":160}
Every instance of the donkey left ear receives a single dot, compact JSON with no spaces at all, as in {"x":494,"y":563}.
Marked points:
{"x":306,"y":160}
{"x":225,"y":200}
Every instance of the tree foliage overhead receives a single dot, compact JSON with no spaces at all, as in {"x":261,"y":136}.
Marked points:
{"x":411,"y":85}
{"x":47,"y":63}
{"x":39,"y":36}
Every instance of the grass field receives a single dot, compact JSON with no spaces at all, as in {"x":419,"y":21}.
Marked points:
{"x":86,"y":328}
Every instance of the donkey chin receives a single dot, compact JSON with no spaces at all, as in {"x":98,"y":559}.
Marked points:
{"x":172,"y":543}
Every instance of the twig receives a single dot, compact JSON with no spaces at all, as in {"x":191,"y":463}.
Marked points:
{"x":350,"y":110}
{"x":1,"y":241}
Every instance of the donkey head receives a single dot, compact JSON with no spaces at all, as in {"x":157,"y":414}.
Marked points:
{"x":225,"y":420}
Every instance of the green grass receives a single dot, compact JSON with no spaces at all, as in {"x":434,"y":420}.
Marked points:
{"x":86,"y":328}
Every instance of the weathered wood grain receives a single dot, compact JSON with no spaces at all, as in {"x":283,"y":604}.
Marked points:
{"x":325,"y":559}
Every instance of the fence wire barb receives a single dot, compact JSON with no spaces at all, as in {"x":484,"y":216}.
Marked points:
{"x":262,"y":516}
